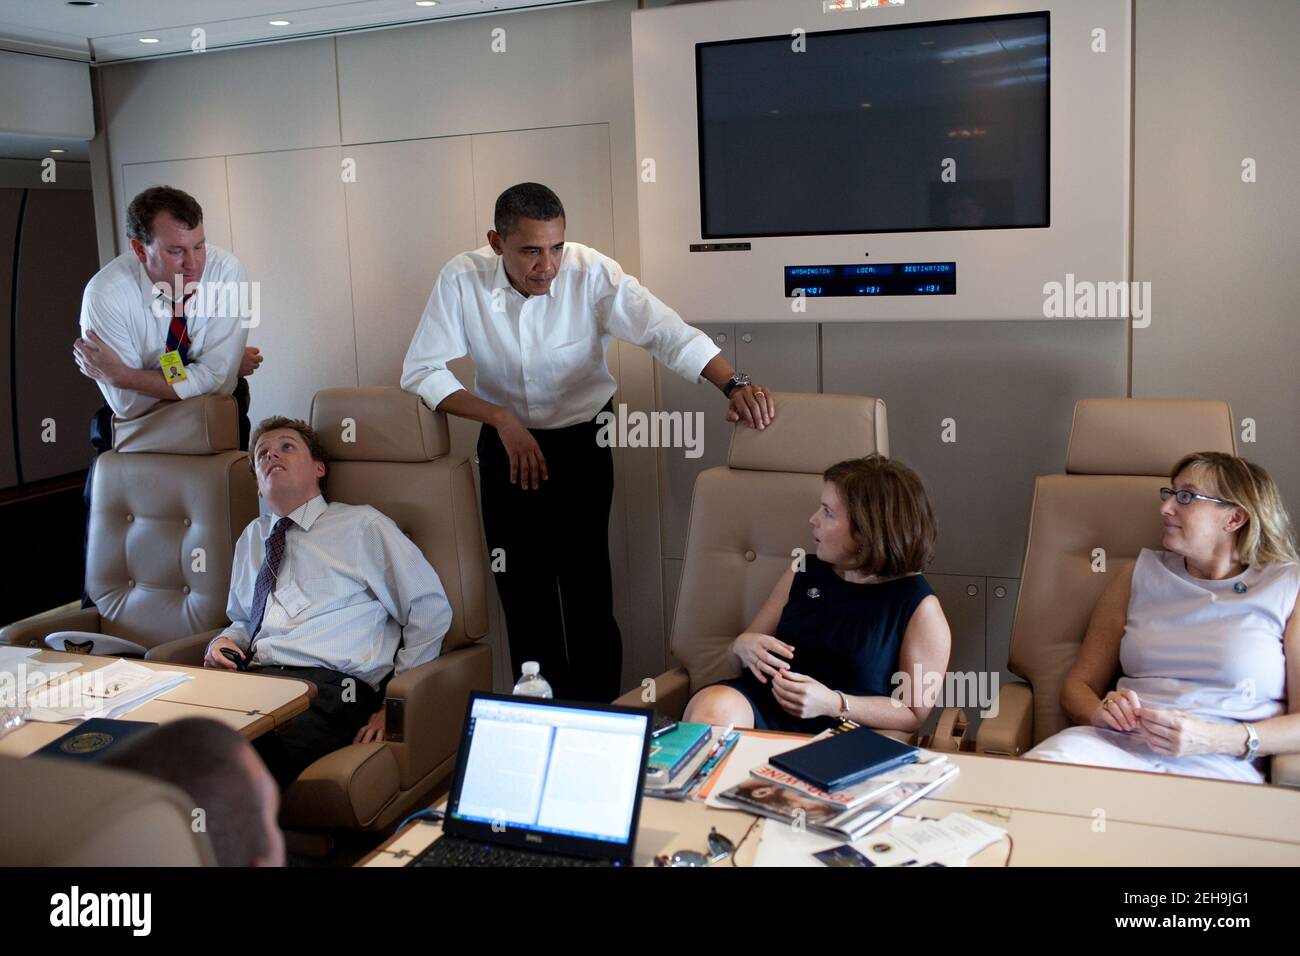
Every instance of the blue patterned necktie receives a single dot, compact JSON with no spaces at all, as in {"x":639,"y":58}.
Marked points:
{"x":266,"y":577}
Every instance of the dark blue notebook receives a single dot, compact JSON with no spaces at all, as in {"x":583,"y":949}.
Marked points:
{"x":93,"y":739}
{"x":845,"y":759}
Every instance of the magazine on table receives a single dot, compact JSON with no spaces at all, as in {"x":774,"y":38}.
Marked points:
{"x":792,"y":806}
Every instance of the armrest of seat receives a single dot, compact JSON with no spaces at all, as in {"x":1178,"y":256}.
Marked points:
{"x":425,"y":706}
{"x":33,"y":633}
{"x":950,"y":733}
{"x":185,"y":650}
{"x":1284,"y":770}
{"x":668,"y":694}
{"x":1011,"y":732}
{"x":344,"y":789}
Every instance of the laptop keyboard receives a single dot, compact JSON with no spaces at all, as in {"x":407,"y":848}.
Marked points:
{"x":457,"y":851}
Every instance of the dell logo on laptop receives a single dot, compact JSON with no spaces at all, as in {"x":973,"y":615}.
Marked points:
{"x":532,"y":838}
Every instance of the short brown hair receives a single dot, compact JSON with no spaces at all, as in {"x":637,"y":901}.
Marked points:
{"x":140,"y":215}
{"x":1267,"y":535}
{"x":204,"y":758}
{"x":309,"y":436}
{"x":889,"y":513}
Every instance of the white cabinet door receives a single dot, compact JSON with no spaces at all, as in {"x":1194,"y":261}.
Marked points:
{"x":288,"y":221}
{"x":410,"y":210}
{"x":572,"y":160}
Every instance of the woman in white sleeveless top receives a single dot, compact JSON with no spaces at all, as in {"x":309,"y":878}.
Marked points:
{"x":1202,"y":635}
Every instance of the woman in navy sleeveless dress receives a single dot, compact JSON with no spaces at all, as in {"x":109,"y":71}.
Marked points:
{"x":841,"y":626}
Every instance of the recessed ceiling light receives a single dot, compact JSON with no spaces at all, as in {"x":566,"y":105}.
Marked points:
{"x":278,"y":23}
{"x":56,"y":150}
{"x":148,"y":39}
{"x":83,"y":3}
{"x":426,"y":3}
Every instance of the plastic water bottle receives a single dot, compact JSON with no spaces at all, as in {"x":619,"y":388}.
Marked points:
{"x":532,"y":683}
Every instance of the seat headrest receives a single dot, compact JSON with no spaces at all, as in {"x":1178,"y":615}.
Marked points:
{"x":1144,"y":436}
{"x":810,"y":433}
{"x":203,"y":425}
{"x":59,"y":812}
{"x":378,"y":423}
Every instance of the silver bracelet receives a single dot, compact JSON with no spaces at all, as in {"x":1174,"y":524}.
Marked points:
{"x":1252,"y":743}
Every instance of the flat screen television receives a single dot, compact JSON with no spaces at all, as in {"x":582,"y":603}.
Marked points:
{"x":856,"y":133}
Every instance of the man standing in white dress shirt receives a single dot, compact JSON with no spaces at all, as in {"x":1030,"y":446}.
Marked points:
{"x":536,"y":314}
{"x":162,"y":321}
{"x":328,"y":592}
{"x":132,"y":318}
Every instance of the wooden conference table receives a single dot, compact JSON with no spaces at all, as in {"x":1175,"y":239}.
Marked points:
{"x":1055,"y":815}
{"x":250,"y":703}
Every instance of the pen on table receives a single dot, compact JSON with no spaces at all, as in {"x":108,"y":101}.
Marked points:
{"x":715,"y":755}
{"x":718,"y":745}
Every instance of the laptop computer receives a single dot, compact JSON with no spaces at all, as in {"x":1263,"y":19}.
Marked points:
{"x":544,"y":783}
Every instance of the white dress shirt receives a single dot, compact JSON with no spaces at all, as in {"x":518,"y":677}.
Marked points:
{"x":351,"y":588}
{"x":543,"y":356}
{"x":118,"y":305}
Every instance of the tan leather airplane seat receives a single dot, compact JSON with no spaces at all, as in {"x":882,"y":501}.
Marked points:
{"x":746,"y":520}
{"x":67,"y":813}
{"x":168,"y":504}
{"x":387,"y":449}
{"x":1105,"y":507}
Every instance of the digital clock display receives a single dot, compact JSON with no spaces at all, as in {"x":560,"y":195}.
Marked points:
{"x":884,"y":278}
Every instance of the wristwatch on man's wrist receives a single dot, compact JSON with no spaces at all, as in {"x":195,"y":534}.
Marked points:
{"x":738,"y":380}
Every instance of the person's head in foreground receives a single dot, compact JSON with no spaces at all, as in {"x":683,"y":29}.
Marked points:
{"x":851,"y":631}
{"x":225,"y":778}
{"x":1198,"y":635}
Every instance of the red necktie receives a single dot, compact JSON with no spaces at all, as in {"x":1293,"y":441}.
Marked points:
{"x":178,"y":333}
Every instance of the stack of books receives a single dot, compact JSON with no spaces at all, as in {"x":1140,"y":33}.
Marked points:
{"x":860,"y":794}
{"x":682,"y":759}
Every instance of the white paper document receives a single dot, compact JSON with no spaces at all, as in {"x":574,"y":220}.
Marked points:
{"x":950,"y":841}
{"x":11,"y":656}
{"x":21,"y":674}
{"x":781,"y":845}
{"x":112,"y":692}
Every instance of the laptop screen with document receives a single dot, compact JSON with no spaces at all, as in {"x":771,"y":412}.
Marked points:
{"x":550,"y":775}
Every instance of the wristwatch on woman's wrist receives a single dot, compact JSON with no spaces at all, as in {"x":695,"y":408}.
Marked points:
{"x":1252,"y":743}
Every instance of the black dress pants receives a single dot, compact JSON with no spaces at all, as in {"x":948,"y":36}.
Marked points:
{"x":556,"y":587}
{"x":338,"y":712}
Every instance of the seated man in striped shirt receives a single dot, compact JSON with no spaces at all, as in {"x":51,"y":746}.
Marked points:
{"x":328,"y":592}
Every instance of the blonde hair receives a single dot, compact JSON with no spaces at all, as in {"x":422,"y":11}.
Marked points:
{"x":1267,"y":535}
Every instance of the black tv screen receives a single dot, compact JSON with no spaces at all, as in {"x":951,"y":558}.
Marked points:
{"x":852,"y":135}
